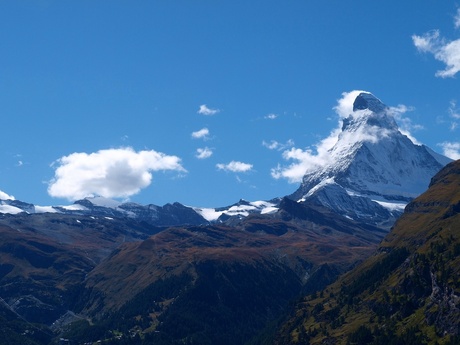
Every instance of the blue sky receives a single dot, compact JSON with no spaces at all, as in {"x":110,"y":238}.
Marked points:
{"x":203,"y":102}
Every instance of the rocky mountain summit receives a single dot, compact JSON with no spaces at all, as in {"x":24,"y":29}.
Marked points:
{"x":373,"y":170}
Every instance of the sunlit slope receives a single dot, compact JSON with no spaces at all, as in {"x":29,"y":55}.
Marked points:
{"x":407,"y":293}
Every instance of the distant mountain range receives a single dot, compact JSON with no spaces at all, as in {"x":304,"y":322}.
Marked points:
{"x":126,"y":273}
{"x":166,"y":215}
{"x":370,"y":173}
{"x":84,"y":276}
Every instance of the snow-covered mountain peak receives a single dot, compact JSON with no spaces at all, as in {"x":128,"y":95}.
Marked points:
{"x":370,"y":118}
{"x":372,"y":166}
{"x":366,"y":100}
{"x":241,"y":209}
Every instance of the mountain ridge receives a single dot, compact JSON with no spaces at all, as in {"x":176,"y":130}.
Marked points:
{"x":373,"y":170}
{"x":305,"y":247}
{"x":407,"y":292}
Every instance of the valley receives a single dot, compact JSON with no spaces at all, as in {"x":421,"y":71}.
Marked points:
{"x":365,"y":251}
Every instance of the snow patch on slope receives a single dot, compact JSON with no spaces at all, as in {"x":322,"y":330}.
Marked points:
{"x":74,"y":207}
{"x":243,"y":209}
{"x":45,"y":209}
{"x":8,"y":209}
{"x":392,"y":206}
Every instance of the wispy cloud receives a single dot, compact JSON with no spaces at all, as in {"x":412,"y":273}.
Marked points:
{"x":304,"y":160}
{"x":235,"y":166}
{"x":204,"y":110}
{"x":406,"y":125}
{"x":271,"y":116}
{"x":457,"y":19}
{"x":443,"y":50}
{"x":275,"y":145}
{"x":203,"y":153}
{"x":20,"y":162}
{"x":201,"y":134}
{"x":111,"y":173}
{"x":454,"y":114}
{"x":450,"y":149}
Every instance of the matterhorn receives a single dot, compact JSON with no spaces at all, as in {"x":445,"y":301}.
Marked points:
{"x":373,"y":170}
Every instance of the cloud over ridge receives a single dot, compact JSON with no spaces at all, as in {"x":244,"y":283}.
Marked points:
{"x":4,"y":196}
{"x":309,"y":159}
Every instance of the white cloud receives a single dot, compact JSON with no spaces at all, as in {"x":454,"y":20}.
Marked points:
{"x":271,"y":116}
{"x":427,"y":42}
{"x":344,"y":107}
{"x":201,"y":134}
{"x":454,"y":113}
{"x":442,"y":50}
{"x":454,"y":116}
{"x":275,"y":145}
{"x":272,"y":145}
{"x":457,"y":19}
{"x":311,"y":159}
{"x":450,"y":149}
{"x":111,"y":173}
{"x":306,"y":160}
{"x":405,"y":124}
{"x":203,"y":153}
{"x":4,"y":196}
{"x":204,"y":110}
{"x":235,"y":166}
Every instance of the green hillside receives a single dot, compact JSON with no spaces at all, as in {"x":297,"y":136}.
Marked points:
{"x":408,"y":292}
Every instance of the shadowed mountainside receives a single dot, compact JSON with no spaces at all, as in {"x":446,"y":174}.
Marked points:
{"x":201,"y":284}
{"x":225,"y":283}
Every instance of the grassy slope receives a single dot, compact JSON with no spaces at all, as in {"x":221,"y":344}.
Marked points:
{"x":407,"y":293}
